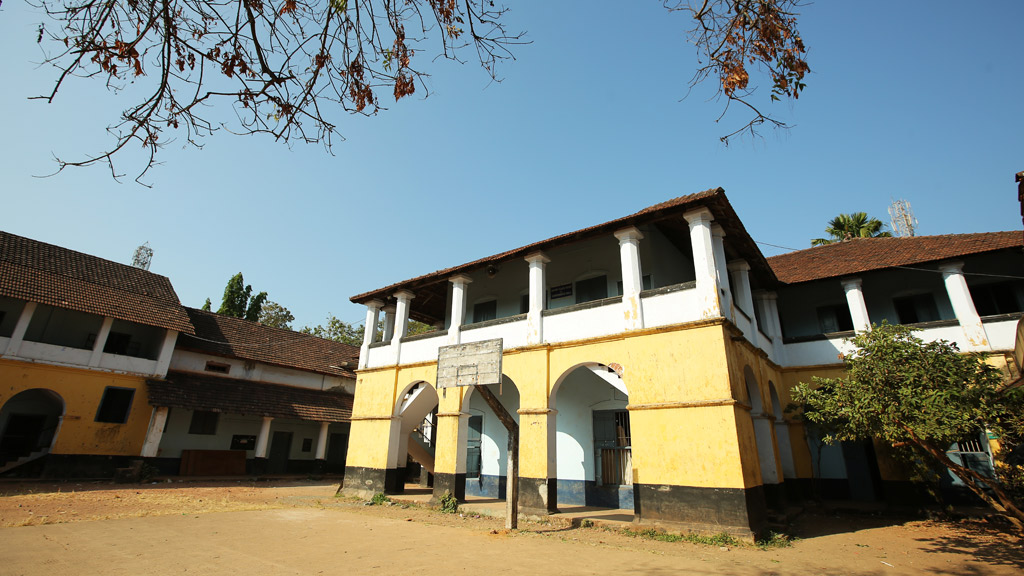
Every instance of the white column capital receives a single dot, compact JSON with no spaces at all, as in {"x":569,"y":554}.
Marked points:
{"x":630,"y":234}
{"x":717,"y":230}
{"x":738,"y":266}
{"x":388,"y":308}
{"x":404,"y":295}
{"x":698,"y":216}
{"x":537,"y":257}
{"x":851,"y":283}
{"x":460,"y":279}
{"x":766,"y":295}
{"x":375,"y":304}
{"x":951,"y":267}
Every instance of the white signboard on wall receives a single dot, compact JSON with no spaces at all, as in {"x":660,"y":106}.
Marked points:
{"x":476,"y":363}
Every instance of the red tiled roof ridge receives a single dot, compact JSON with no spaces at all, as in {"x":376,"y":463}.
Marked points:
{"x":668,"y":204}
{"x":858,"y":255}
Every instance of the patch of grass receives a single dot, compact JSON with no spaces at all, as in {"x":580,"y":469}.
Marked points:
{"x":720,"y":539}
{"x":586,"y":523}
{"x":379,"y":499}
{"x":449,"y":503}
{"x":775,"y":540}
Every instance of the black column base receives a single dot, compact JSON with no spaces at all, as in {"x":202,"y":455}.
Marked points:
{"x":258,"y":466}
{"x":538,"y":496}
{"x":363,"y":482}
{"x":454,"y":484}
{"x":737,"y":511}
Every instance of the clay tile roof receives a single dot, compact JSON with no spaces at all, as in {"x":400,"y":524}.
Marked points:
{"x":864,"y":254}
{"x":232,"y":396}
{"x":40,"y":272}
{"x":237,"y":338}
{"x":713,"y":199}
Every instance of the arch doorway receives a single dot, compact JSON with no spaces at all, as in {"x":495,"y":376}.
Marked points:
{"x":29,"y":423}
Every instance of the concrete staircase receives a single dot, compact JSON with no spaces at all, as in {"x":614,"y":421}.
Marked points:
{"x":11,"y":465}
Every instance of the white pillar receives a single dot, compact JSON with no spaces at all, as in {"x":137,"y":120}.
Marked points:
{"x":963,"y":306}
{"x":535,"y":314}
{"x":855,"y":300}
{"x":770,"y":315}
{"x":18,"y":336}
{"x":460,"y":287}
{"x":389,"y":323}
{"x":704,"y":262}
{"x":725,"y":289}
{"x":632,"y":277}
{"x":263,"y":438}
{"x":163,"y":361}
{"x":157,"y":423}
{"x":321,"y":441}
{"x":744,"y":297}
{"x":100,"y":342}
{"x":404,"y":298}
{"x":369,"y":330}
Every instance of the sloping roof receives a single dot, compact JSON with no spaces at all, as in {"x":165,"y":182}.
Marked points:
{"x":864,"y":254}
{"x":232,"y":396}
{"x":739,"y":244}
{"x":237,"y":338}
{"x":48,"y":274}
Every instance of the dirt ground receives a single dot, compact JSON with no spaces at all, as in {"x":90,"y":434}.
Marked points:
{"x":290,"y":527}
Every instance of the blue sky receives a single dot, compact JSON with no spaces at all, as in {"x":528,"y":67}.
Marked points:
{"x":920,"y":100}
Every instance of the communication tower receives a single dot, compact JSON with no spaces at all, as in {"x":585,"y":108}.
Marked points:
{"x":902,"y":218}
{"x":142,"y":257}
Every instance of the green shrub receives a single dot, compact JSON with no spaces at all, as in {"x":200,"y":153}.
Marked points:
{"x":449,"y":503}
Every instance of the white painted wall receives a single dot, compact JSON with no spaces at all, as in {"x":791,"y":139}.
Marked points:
{"x":584,"y":323}
{"x":576,"y":399}
{"x":671,"y":308}
{"x":513,"y":334}
{"x":189,"y":361}
{"x":494,"y":437}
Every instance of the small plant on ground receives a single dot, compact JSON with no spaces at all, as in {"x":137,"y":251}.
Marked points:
{"x":449,"y":503}
{"x":586,"y":523}
{"x":379,"y":499}
{"x":720,"y":539}
{"x":775,"y":540}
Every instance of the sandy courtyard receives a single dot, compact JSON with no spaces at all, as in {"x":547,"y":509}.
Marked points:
{"x":300,"y":528}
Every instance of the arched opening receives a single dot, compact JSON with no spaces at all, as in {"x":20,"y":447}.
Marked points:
{"x":593,"y":444}
{"x":416,"y":430}
{"x":782,"y":434}
{"x":763,"y":424}
{"x":486,"y":446}
{"x":29,"y":423}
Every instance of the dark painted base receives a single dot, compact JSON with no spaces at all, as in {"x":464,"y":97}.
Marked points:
{"x":588,"y":493}
{"x":394,"y":481}
{"x":486,"y":486}
{"x":257,"y":466}
{"x":362,"y":482}
{"x":775,"y":496}
{"x":426,"y":478}
{"x":740,"y":512}
{"x":799,"y":489}
{"x":454,"y":484}
{"x":538,"y":496}
{"x":72,"y":466}
{"x":318,"y":467}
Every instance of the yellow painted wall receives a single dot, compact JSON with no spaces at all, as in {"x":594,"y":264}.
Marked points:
{"x":664,"y":370}
{"x":81,"y":391}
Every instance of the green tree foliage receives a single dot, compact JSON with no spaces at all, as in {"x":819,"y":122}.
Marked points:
{"x":337,"y":330}
{"x":207,"y":305}
{"x":239,"y":301}
{"x":920,"y":397}
{"x":284,"y":68}
{"x":273,"y":314}
{"x":848,"y":226}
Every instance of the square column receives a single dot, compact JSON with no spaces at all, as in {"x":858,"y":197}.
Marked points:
{"x":373,"y":308}
{"x":460,"y":289}
{"x":632,"y":277}
{"x":770,"y":315}
{"x":963,"y":306}
{"x":389,"y":323}
{"x":404,"y":298}
{"x":704,"y":262}
{"x":855,"y":300}
{"x":157,"y":424}
{"x":744,"y":297}
{"x":163,"y":361}
{"x":101,"y":342}
{"x":724,"y":284}
{"x":18,"y":335}
{"x":534,"y":316}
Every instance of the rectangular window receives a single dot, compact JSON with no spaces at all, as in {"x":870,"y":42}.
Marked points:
{"x":992,"y":299}
{"x":203,"y":422}
{"x":485,"y":311}
{"x":307,"y":444}
{"x":473,"y":460}
{"x":591,"y":289}
{"x":612,"y":444}
{"x":834,"y":318}
{"x":916,"y":308}
{"x":115,"y":405}
{"x":218,"y":367}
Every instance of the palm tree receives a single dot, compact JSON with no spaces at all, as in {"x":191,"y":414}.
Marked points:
{"x":847,"y":226}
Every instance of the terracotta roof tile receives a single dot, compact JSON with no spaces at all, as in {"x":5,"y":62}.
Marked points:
{"x":48,"y":274}
{"x":232,"y":396}
{"x":237,"y":338}
{"x":864,"y":254}
{"x":714,"y":199}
